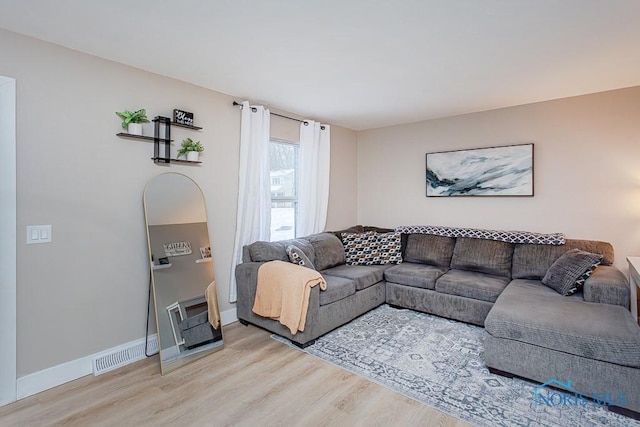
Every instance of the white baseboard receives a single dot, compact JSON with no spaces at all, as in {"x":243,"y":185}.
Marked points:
{"x":229,"y":316}
{"x":69,"y":371}
{"x":54,"y":376}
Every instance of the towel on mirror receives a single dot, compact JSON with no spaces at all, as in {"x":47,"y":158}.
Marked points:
{"x":283,"y":291}
{"x":211,"y":295}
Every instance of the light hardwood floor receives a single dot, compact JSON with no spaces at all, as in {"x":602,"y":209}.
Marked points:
{"x":253,"y":381}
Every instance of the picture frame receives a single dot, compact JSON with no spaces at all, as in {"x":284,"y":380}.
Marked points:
{"x":205,"y":252}
{"x":491,"y":171}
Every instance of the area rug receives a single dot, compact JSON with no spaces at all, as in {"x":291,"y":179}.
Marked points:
{"x":439,"y":362}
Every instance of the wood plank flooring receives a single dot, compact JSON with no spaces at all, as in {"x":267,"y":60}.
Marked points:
{"x":253,"y":381}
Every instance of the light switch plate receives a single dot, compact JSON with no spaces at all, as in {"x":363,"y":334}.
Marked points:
{"x":38,"y":234}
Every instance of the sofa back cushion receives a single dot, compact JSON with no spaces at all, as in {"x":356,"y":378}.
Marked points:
{"x":533,"y":261}
{"x":271,"y":251}
{"x":429,"y":249}
{"x":354,"y":229}
{"x":482,"y":255}
{"x":328,"y":250}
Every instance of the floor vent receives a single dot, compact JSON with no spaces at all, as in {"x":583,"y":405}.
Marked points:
{"x":124,"y":355}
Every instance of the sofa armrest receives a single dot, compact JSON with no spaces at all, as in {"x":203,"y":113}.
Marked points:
{"x":246,"y":283}
{"x":607,"y":285}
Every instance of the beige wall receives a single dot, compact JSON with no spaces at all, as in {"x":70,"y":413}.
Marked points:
{"x":587,"y":170}
{"x":87,"y":290}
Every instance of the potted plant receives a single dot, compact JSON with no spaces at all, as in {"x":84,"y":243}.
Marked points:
{"x":132,"y":121}
{"x":191,"y":149}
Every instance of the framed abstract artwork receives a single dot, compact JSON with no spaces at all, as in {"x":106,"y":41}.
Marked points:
{"x":492,"y":171}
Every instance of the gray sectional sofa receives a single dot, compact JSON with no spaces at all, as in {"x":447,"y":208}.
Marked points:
{"x":589,"y":338}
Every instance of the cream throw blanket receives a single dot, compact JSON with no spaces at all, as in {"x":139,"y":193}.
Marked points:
{"x":283,"y":293}
{"x":211,"y":296}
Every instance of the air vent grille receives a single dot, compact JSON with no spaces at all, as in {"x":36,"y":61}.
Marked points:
{"x":123,"y":356}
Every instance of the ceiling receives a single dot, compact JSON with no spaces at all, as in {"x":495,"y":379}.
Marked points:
{"x":358,"y":63}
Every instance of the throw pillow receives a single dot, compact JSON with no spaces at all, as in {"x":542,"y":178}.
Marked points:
{"x":296,"y":256}
{"x":569,"y":272}
{"x":372,"y":248}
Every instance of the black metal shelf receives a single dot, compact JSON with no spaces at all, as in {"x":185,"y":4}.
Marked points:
{"x":164,"y":160}
{"x":162,"y":144}
{"x":144,"y":138}
{"x":186,"y":126}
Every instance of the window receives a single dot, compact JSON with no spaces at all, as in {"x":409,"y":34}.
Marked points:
{"x":284,"y":200}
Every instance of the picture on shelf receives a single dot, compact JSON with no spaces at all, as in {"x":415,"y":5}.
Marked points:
{"x":205,"y":252}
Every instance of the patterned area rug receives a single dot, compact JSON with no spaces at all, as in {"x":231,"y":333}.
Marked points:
{"x":439,"y":362}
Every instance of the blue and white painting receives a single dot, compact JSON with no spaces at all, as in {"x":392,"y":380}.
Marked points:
{"x":495,"y":171}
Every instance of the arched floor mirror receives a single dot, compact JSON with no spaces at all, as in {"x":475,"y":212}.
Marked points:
{"x":182,"y":271}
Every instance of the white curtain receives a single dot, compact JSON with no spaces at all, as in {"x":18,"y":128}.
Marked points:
{"x":313,"y":177}
{"x":254,"y":188}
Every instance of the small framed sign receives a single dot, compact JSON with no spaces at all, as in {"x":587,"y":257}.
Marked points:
{"x":177,"y":249}
{"x":183,"y":117}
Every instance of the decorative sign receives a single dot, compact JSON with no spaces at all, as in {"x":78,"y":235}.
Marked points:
{"x":183,"y":117}
{"x":177,"y":249}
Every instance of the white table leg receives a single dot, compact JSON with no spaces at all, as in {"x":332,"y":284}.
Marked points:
{"x":634,"y":296}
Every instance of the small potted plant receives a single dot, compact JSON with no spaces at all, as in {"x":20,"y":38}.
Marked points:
{"x":191,"y":149}
{"x":132,"y":121}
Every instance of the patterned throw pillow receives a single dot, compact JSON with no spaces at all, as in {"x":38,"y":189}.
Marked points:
{"x":296,"y":256}
{"x":569,"y":272}
{"x":372,"y":248}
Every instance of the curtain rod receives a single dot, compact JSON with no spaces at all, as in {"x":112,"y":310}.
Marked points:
{"x":306,"y":123}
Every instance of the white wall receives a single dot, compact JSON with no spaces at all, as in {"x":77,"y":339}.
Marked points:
{"x":586,"y":166}
{"x":7,"y":240}
{"x":87,"y":290}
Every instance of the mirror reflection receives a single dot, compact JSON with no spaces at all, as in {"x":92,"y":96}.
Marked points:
{"x":182,"y":271}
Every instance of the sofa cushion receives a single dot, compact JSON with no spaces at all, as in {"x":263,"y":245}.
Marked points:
{"x":484,"y":256}
{"x":337,"y":288}
{"x":371,"y":248}
{"x":527,"y":311}
{"x":429,"y":249}
{"x":272,"y":251}
{"x":533,"y":261}
{"x":363,"y":276}
{"x":472,"y":284}
{"x":297,"y":256}
{"x":569,"y":272}
{"x":328,"y":249}
{"x":415,"y":275}
{"x":607,"y":285}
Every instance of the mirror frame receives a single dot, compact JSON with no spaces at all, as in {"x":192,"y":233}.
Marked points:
{"x":179,"y":361}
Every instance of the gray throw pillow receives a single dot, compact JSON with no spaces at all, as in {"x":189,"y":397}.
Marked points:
{"x":296,"y":256}
{"x":569,"y":272}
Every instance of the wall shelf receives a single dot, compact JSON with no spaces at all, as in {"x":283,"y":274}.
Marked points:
{"x":200,"y":261}
{"x":186,"y":126}
{"x":164,"y":160}
{"x":162,"y":145}
{"x":132,"y":136}
{"x":162,"y":266}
